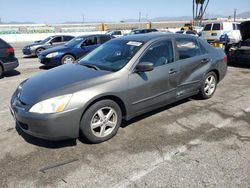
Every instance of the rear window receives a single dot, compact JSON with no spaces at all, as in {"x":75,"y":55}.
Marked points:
{"x":208,"y":27}
{"x":3,"y":44}
{"x":216,"y":27}
{"x":187,"y":48}
{"x":117,"y":32}
{"x":67,"y":38}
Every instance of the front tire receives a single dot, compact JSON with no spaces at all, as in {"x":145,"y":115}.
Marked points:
{"x":209,"y":85}
{"x":101,"y":121}
{"x":39,"y":50}
{"x":67,"y":59}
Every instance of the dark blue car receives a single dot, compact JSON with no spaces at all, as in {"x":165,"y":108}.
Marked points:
{"x":72,"y":50}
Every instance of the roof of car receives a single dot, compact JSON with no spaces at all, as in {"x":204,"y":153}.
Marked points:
{"x":90,"y":35}
{"x":144,"y":37}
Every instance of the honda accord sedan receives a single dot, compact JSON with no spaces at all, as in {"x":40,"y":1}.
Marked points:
{"x":119,"y":80}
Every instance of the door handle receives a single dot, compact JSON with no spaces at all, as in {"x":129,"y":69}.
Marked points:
{"x":205,"y":60}
{"x":172,"y":71}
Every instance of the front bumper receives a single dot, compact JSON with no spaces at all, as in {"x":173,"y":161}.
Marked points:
{"x":55,"y":61}
{"x":28,"y":51}
{"x":10,"y":65}
{"x":57,"y":126}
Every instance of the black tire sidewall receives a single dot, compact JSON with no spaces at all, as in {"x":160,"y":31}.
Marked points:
{"x":202,"y":93}
{"x":1,"y":71}
{"x":87,"y":116}
{"x":64,"y":57}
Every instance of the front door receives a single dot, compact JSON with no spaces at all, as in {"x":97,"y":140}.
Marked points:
{"x":150,"y":89}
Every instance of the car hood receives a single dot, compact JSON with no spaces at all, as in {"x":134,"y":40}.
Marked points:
{"x":54,"y":49}
{"x":245,"y":30}
{"x":59,"y":81}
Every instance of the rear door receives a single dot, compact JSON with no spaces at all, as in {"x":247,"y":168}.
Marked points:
{"x":193,"y":63}
{"x":150,"y":89}
{"x":57,"y":41}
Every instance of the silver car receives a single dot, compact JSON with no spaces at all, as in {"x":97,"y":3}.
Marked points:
{"x":119,"y":80}
{"x":49,"y":42}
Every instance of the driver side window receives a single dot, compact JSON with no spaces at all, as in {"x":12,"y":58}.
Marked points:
{"x":160,"y":53}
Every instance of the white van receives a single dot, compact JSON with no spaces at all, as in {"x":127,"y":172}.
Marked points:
{"x":213,"y":31}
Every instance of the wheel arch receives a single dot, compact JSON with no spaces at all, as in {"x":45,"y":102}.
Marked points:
{"x":114,"y":98}
{"x":68,"y":53}
{"x":216,"y":72}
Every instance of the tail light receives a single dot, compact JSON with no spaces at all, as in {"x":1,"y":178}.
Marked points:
{"x":225,"y":58}
{"x":10,"y":50}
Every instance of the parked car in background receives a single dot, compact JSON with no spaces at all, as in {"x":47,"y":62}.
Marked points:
{"x":72,"y":50}
{"x":213,"y":31}
{"x":188,"y":32}
{"x":240,"y":53}
{"x":115,"y":33}
{"x":121,"y":79}
{"x":8,"y":61}
{"x":142,"y":31}
{"x":52,"y":41}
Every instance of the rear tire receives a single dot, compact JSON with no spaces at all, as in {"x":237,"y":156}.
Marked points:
{"x":101,"y":121}
{"x":209,"y":85}
{"x":67,"y":59}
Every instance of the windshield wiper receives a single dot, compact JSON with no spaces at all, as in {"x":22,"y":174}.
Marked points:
{"x":91,"y":66}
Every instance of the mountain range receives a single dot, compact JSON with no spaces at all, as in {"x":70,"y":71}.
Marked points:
{"x":167,"y":18}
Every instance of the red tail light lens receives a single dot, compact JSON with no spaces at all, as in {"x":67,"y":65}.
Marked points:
{"x":225,"y":58}
{"x":10,"y":50}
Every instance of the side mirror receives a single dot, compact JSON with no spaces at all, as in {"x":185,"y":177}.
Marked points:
{"x":50,"y":43}
{"x":144,"y":67}
{"x":83,"y":45}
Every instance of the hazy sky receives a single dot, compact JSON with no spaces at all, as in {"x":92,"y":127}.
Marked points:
{"x":57,"y":11}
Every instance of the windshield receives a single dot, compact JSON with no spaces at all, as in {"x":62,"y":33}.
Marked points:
{"x":113,"y":55}
{"x":46,"y":40}
{"x":75,"y":41}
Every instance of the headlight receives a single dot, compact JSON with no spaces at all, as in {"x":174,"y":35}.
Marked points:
{"x":52,"y":55}
{"x":53,"y":105}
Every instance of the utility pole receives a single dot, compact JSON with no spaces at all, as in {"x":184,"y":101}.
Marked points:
{"x":139,"y":16}
{"x":83,"y":19}
{"x":235,"y":11}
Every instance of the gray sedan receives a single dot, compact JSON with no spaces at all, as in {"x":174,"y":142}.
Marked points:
{"x":119,"y":80}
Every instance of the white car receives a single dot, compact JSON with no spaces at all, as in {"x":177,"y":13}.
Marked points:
{"x":115,"y":33}
{"x":188,"y":32}
{"x":213,"y":31}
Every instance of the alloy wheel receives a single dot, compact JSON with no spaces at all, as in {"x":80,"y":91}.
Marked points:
{"x":210,"y":85}
{"x":104,"y":122}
